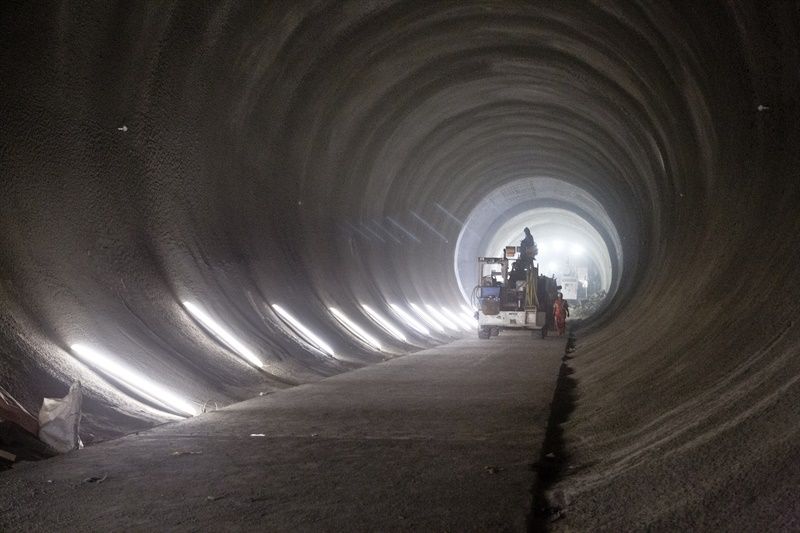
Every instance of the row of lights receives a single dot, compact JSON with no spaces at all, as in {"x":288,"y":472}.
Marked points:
{"x":439,"y":320}
{"x":560,"y":246}
{"x":548,"y":250}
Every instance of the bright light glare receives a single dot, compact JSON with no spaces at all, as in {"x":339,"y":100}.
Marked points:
{"x":99,"y":360}
{"x":356,"y":329}
{"x":385,"y":324}
{"x":458,"y":320}
{"x":558,"y":246}
{"x":237,"y":346}
{"x":469,"y":313}
{"x":310,"y":337}
{"x":552,"y":266}
{"x":542,"y":247}
{"x":577,"y":249}
{"x":410,"y":321}
{"x":441,"y":318}
{"x":424,"y":316}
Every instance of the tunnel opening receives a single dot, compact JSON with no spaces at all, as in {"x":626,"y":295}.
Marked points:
{"x":578,"y":244}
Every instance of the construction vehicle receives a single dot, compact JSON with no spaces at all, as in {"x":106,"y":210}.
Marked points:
{"x":516,"y":299}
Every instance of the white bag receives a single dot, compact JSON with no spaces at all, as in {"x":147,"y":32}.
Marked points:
{"x":60,"y":418}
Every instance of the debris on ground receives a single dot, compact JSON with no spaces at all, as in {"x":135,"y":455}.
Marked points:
{"x":570,"y":348}
{"x":7,"y":456}
{"x":492,"y":469}
{"x":95,"y":479}
{"x":186,"y":453}
{"x":588,"y":306}
{"x":60,"y":419}
{"x":22,"y":445}
{"x":558,"y":503}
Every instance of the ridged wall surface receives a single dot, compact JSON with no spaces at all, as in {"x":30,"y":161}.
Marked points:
{"x":326,"y":153}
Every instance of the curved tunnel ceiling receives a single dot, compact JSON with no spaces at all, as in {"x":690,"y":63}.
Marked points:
{"x":239,"y":156}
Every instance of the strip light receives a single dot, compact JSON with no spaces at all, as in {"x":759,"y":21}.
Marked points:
{"x":132,"y":380}
{"x":410,"y":321}
{"x":469,"y":314}
{"x":356,"y":329}
{"x":441,"y":318}
{"x":468,"y":326}
{"x":309,"y":336}
{"x":435,"y":325}
{"x":384,"y":323}
{"x":220,"y":332}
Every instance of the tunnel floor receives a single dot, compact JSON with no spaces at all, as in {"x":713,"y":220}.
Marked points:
{"x":442,"y":439}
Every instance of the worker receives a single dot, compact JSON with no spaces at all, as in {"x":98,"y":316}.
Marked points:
{"x":527,"y":250}
{"x":560,"y":313}
{"x":516,"y":274}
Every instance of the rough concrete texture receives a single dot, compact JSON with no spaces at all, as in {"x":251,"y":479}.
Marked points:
{"x":443,"y":440}
{"x":247,"y":153}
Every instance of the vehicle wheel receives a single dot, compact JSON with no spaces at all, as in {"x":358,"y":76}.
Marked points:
{"x":495,"y":331}
{"x":485,"y":332}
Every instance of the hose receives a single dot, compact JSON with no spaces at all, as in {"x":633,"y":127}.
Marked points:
{"x":474,"y":298}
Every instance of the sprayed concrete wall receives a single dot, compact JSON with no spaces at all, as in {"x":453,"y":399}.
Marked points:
{"x":319,"y":154}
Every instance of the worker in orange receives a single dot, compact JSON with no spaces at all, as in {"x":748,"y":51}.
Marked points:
{"x":560,"y":313}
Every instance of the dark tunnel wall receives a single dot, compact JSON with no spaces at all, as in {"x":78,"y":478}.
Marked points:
{"x":318,"y":154}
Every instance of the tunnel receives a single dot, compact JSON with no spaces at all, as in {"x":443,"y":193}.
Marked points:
{"x":228,"y":199}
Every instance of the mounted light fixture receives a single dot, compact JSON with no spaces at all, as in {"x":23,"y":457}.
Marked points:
{"x":405,"y":317}
{"x":467,"y":325}
{"x":424,"y":316}
{"x":396,"y":333}
{"x":306,"y":333}
{"x":469,"y":315}
{"x":355,"y":329}
{"x":132,"y":380}
{"x":220,"y":332}
{"x":441,"y":318}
